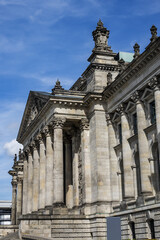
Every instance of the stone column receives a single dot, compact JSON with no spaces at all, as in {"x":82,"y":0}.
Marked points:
{"x":146,"y":188}
{"x":14,"y":199}
{"x":86,"y":162}
{"x":35,"y":176}
{"x":49,"y":168}
{"x":42,"y":172}
{"x":127,"y":156}
{"x":154,"y":84}
{"x":58,"y":176}
{"x":115,"y":190}
{"x":68,"y":172}
{"x":75,"y":167}
{"x":30,"y":181}
{"x":25,"y":191}
{"x":19,"y":199}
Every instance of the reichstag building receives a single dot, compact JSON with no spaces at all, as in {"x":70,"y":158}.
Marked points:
{"x":93,"y":151}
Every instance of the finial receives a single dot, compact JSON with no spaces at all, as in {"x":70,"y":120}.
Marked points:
{"x":57,"y":86}
{"x":121,"y":64}
{"x":15,"y":158}
{"x":100,"y":23}
{"x":136,"y":50}
{"x":153,"y":30}
{"x":100,"y":36}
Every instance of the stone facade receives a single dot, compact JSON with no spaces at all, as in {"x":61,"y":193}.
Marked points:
{"x":93,"y":151}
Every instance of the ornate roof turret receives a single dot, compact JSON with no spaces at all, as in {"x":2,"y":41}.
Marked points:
{"x":136,"y":50}
{"x":153,"y":30}
{"x":100,"y":36}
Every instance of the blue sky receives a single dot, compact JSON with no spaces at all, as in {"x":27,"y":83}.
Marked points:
{"x":42,"y":40}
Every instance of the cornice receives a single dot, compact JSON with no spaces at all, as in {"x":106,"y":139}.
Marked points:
{"x":99,"y":66}
{"x":134,"y":67}
{"x":92,"y":97}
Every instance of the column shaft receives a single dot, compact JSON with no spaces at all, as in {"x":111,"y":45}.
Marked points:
{"x":14,"y":200}
{"x":25,"y":192}
{"x":35,"y":179}
{"x":19,"y":200}
{"x":127,"y":159}
{"x":86,"y":163}
{"x":58,"y":166}
{"x":143,"y":150}
{"x":30,"y":183}
{"x":49,"y":169}
{"x":42,"y":175}
{"x":75,"y":169}
{"x":115,"y":191}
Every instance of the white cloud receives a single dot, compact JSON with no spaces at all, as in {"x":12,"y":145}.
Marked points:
{"x":12,"y":147}
{"x":8,"y":45}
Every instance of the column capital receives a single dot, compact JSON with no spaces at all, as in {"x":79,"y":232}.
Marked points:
{"x":58,"y":122}
{"x":28,"y":151}
{"x":136,"y":97}
{"x":84,"y":125}
{"x":108,"y":119}
{"x":120,"y":109}
{"x":39,"y":138}
{"x":19,"y":180}
{"x":154,"y":84}
{"x":47,"y":131}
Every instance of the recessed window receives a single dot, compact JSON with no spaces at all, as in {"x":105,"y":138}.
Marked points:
{"x":152,"y":112}
{"x":119,"y":130}
{"x":134,"y":122}
{"x":132,"y":227}
{"x":151,"y":227}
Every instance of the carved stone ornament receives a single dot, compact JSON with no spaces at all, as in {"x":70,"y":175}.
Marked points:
{"x":100,"y":36}
{"x":135,"y":97}
{"x":84,"y":125}
{"x":47,"y":131}
{"x":153,"y":83}
{"x":39,"y":138}
{"x":136,"y":50}
{"x":108,"y":119}
{"x":57,"y":86}
{"x":121,"y":64}
{"x":120,"y":109}
{"x":109,"y":78}
{"x":58,"y":122}
{"x":153,"y":30}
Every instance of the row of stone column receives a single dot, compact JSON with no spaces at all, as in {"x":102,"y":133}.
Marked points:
{"x":43,"y":181}
{"x":143,"y":145}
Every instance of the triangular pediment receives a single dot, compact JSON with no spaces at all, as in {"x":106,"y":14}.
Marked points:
{"x":147,"y":93}
{"x":130,"y":106}
{"x":116,"y":117}
{"x":35,"y":103}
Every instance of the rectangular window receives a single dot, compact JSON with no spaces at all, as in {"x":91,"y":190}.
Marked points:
{"x":134,"y":122}
{"x":152,"y":112}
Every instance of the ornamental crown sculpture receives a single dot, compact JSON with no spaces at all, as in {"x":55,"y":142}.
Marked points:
{"x":100,"y":36}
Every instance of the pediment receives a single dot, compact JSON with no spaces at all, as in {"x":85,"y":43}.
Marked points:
{"x":35,"y":104}
{"x":130,"y":106}
{"x":147,"y":93}
{"x":116,"y":117}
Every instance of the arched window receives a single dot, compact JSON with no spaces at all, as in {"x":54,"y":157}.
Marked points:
{"x":151,"y":228}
